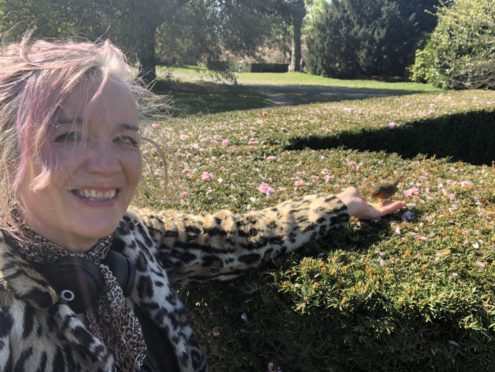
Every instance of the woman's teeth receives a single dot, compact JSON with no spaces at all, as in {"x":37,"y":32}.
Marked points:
{"x":95,"y":195}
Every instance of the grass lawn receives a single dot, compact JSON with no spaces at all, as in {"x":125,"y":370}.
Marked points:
{"x":198,"y":91}
{"x":193,"y":73}
{"x":413,"y":291}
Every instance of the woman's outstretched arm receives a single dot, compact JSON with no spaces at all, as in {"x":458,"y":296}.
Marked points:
{"x":221,"y":245}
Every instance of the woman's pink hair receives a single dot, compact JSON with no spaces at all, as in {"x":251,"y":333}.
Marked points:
{"x":35,"y":78}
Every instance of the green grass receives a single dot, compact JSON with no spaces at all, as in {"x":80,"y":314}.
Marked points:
{"x":297,"y":78}
{"x":198,"y":91}
{"x":192,"y":73}
{"x":390,"y":295}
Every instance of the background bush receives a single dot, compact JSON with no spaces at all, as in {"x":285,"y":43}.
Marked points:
{"x":269,"y":67}
{"x":461,"y":51}
{"x":360,"y":38}
{"x":410,"y":292}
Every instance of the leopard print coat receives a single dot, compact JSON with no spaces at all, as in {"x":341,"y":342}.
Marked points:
{"x":39,"y":332}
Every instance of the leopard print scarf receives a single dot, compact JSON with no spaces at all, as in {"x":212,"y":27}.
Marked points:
{"x":111,"y":319}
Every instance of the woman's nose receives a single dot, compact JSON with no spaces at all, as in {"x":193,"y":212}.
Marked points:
{"x":103,"y":159}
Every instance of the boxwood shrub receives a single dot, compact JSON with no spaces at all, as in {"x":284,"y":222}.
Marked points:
{"x":409,"y":292}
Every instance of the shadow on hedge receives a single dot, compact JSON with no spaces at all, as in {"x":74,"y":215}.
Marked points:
{"x":467,"y":137}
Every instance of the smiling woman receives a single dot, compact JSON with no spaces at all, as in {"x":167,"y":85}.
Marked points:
{"x":86,"y":283}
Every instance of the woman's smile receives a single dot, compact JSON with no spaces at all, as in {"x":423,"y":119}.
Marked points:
{"x":95,"y":195}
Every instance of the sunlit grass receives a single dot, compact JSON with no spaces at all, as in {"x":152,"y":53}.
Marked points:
{"x":192,"y":73}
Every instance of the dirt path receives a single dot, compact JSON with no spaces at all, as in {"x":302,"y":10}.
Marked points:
{"x":286,"y":95}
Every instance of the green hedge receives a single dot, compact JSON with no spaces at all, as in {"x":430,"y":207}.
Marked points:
{"x":460,"y":52}
{"x":390,"y":295}
{"x":269,"y":67}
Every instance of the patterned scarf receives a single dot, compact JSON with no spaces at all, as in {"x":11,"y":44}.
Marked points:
{"x":111,"y":320}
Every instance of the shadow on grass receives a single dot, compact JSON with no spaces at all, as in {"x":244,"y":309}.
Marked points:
{"x":208,"y":98}
{"x":467,"y":137}
{"x":191,"y":98}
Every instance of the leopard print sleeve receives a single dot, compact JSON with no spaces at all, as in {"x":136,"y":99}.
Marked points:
{"x":6,"y":324}
{"x":221,"y":245}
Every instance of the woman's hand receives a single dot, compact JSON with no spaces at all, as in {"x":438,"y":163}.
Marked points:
{"x":360,"y":208}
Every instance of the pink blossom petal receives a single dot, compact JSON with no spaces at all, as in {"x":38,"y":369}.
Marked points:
{"x":225,"y":143}
{"x":314,"y":178}
{"x":155,"y":125}
{"x":480,"y":265}
{"x":183,"y":137}
{"x":266,"y":189}
{"x":392,"y":125}
{"x":353,"y":165}
{"x":253,"y":142}
{"x":195,"y":147}
{"x":298,"y":182}
{"x":467,"y":183}
{"x":207,"y":176}
{"x":271,"y":158}
{"x":413,"y":191}
{"x":328,"y":177}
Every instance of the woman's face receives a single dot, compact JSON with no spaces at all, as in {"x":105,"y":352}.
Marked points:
{"x":97,"y":173}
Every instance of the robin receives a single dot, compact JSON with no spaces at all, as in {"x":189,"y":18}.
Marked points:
{"x":386,"y":190}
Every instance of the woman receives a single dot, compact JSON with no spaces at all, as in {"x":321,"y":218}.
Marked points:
{"x":86,"y":284}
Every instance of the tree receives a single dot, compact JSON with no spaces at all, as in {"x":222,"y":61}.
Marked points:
{"x":129,"y":23}
{"x":214,"y":25}
{"x":359,"y":38}
{"x":461,"y":51}
{"x":293,"y":11}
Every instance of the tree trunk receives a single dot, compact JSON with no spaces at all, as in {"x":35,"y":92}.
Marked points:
{"x":298,"y":12}
{"x":146,"y":55}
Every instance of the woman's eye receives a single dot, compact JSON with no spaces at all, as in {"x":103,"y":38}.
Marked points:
{"x":127,"y":140}
{"x":68,"y":137}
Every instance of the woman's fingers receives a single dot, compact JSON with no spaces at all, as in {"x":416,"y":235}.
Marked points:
{"x":389,"y":208}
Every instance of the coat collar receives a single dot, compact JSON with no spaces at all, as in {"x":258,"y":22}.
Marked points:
{"x":22,"y":281}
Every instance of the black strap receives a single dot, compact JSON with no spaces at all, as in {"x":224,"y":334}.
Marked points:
{"x":159,"y":346}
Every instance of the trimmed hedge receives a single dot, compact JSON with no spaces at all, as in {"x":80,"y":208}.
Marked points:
{"x":399,"y":294}
{"x":246,"y":67}
{"x":269,"y":67}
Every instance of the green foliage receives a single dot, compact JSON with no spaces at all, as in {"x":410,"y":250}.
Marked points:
{"x":354,"y":38}
{"x":391,"y":295}
{"x":461,"y":51}
{"x":172,"y":30}
{"x":421,"y":70}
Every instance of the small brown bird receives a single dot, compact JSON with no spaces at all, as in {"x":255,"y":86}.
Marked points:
{"x":386,"y":190}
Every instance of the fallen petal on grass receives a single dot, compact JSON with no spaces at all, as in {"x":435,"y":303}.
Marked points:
{"x":413,"y":191}
{"x":266,"y":189}
{"x":207,"y":176}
